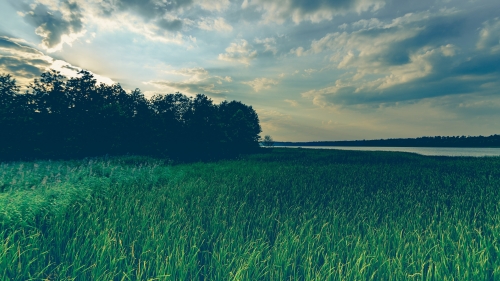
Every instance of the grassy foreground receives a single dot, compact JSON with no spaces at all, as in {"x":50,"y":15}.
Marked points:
{"x":292,"y":214}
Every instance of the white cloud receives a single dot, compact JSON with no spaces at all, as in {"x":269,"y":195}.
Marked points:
{"x":196,"y":73}
{"x":239,"y":52}
{"x":367,"y":24}
{"x":377,"y":57}
{"x":269,"y":44}
{"x":199,"y":81}
{"x":319,"y":96}
{"x":218,"y":24}
{"x":272,"y":120}
{"x":64,"y":39}
{"x":69,"y":70}
{"x":293,"y":103}
{"x":310,"y":71}
{"x":311,"y":10}
{"x":25,"y":62}
{"x":298,"y":51}
{"x":61,"y":22}
{"x":449,"y":50}
{"x":489,"y":36}
{"x":259,"y":84}
{"x":214,"y":5}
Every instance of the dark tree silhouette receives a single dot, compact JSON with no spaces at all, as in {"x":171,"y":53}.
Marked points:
{"x":76,"y":117}
{"x":242,"y":128}
{"x":268,"y":141}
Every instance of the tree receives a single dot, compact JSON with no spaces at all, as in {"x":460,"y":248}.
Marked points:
{"x":59,"y":117}
{"x":8,"y":92}
{"x":268,"y":141}
{"x":240,"y":127}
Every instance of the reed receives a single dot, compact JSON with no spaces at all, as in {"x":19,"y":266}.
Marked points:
{"x":291,"y":214}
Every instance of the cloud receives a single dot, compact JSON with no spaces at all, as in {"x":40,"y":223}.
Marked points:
{"x":69,"y":70}
{"x":196,"y":73}
{"x":239,"y":52}
{"x":214,"y":5}
{"x":272,"y":120}
{"x":170,"y":25}
{"x":199,"y":81}
{"x":22,"y":61}
{"x":259,"y":84}
{"x":18,"y":46}
{"x":298,"y":51}
{"x":489,"y":36}
{"x":60,"y":22}
{"x":293,"y":103}
{"x":310,"y":71}
{"x":217,"y":24}
{"x":401,"y":60}
{"x":311,"y":10}
{"x":477,"y":80}
{"x":26,"y":63}
{"x":269,"y":43}
{"x":367,"y":24}
{"x":56,"y":26}
{"x":147,"y":9}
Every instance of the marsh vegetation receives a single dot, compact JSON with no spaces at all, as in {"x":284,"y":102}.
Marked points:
{"x":287,"y":214}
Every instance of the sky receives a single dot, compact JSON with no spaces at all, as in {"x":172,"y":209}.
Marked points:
{"x":313,"y":70}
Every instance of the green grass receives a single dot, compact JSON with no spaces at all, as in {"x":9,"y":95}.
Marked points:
{"x":292,"y":214}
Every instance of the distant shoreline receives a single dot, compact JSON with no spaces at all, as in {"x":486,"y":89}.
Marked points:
{"x":492,"y":141}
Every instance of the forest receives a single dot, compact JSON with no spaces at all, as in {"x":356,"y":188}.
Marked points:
{"x":62,"y":118}
{"x":437,"y":141}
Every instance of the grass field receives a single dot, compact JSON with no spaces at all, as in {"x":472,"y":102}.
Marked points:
{"x":289,"y":214}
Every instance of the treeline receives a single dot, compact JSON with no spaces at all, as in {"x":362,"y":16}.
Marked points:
{"x":437,"y":141}
{"x":59,"y":118}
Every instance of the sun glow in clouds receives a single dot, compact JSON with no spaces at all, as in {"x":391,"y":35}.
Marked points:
{"x":375,"y":68}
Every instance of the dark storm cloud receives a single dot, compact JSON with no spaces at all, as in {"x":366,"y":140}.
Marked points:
{"x":23,"y":67}
{"x":448,"y":79}
{"x":404,"y":93}
{"x":8,"y":43}
{"x":52,"y":25}
{"x":433,"y":33}
{"x":420,"y":57}
{"x":479,"y":65}
{"x":21,"y":60}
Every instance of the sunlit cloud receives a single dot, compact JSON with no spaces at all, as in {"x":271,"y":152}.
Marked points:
{"x":217,"y":24}
{"x":259,"y":84}
{"x":313,"y":10}
{"x":197,"y":81}
{"x":69,"y":70}
{"x":240,"y":52}
{"x":26,"y":63}
{"x":314,"y":69}
{"x":272,"y":120}
{"x":293,"y":103}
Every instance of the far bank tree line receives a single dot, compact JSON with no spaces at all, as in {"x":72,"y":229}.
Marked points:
{"x":77,"y":117}
{"x":437,"y":141}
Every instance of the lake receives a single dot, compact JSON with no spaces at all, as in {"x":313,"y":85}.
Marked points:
{"x":430,"y":151}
